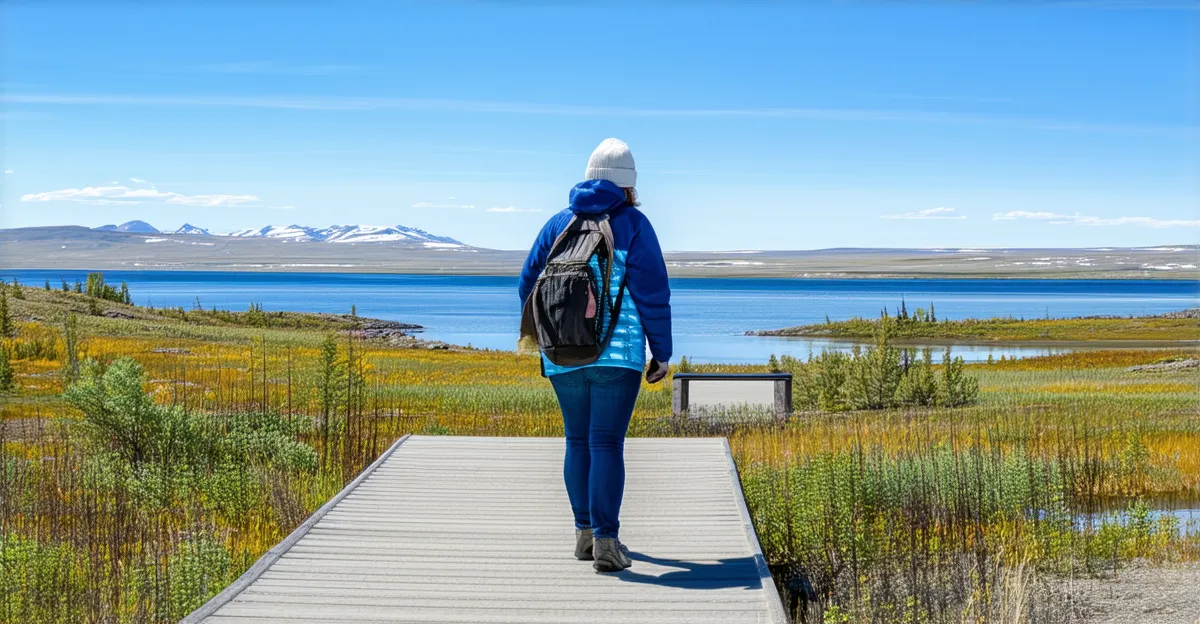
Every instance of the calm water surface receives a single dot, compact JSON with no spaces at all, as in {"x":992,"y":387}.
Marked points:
{"x":709,"y":314}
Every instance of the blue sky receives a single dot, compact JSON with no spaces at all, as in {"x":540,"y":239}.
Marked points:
{"x":772,"y":126}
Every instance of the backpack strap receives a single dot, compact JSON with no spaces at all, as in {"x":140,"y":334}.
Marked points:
{"x":607,"y":233}
{"x":616,"y":314}
{"x":561,"y":235}
{"x":529,"y":317}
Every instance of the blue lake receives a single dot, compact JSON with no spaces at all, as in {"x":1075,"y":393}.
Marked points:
{"x":710,"y":315}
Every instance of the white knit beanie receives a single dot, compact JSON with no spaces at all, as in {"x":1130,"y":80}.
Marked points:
{"x":612,"y":161}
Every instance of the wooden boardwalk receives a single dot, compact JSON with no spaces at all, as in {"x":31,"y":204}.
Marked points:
{"x":460,"y":529}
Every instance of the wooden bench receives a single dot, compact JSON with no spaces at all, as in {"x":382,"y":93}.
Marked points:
{"x":697,"y":393}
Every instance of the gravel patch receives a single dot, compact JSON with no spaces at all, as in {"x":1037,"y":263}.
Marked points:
{"x":1139,"y":593}
{"x":1165,"y":366}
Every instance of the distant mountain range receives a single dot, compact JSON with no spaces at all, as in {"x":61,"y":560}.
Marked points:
{"x":139,"y":246}
{"x":135,"y":227}
{"x":305,"y":234}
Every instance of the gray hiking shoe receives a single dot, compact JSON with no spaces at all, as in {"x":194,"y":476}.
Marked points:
{"x":610,"y":555}
{"x":583,"y":544}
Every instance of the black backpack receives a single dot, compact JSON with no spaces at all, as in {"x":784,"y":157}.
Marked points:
{"x":569,"y":311}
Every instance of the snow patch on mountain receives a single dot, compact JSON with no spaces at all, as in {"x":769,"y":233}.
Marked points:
{"x":188,"y":228}
{"x":346,"y":234}
{"x":305,"y":234}
{"x":290,"y":232}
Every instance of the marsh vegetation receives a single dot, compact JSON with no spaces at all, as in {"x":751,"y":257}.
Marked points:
{"x":148,"y":461}
{"x":923,"y":325}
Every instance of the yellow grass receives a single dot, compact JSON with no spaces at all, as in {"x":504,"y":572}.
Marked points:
{"x":1142,"y":430}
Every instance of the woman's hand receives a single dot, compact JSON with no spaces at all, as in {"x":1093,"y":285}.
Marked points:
{"x":656,"y":371}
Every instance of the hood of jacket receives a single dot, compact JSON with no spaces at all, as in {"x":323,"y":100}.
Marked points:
{"x":596,"y":197}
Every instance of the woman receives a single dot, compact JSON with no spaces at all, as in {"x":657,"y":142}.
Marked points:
{"x":597,"y":399}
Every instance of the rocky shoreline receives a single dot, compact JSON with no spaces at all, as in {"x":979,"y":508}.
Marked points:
{"x":394,"y":333}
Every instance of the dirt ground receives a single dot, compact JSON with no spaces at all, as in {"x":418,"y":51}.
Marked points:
{"x":20,"y":429}
{"x":1139,"y":593}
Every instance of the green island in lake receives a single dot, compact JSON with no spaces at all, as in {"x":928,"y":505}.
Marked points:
{"x":924,"y":326}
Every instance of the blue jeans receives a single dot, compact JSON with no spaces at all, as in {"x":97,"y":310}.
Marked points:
{"x":597,"y":403}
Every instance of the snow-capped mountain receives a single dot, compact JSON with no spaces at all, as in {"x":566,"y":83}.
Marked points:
{"x":136,"y":227}
{"x":381,"y":233}
{"x":305,"y":234}
{"x":291,"y":232}
{"x":188,"y":228}
{"x":348,"y":234}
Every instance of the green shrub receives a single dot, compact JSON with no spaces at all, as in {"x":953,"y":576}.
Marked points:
{"x":70,"y":370}
{"x":827,"y":376}
{"x":919,"y":386}
{"x":264,"y":440}
{"x":199,"y":569}
{"x":195,"y":570}
{"x":818,"y":383}
{"x":6,"y":323}
{"x":97,"y":289}
{"x":435,"y":428}
{"x":39,"y":581}
{"x":876,"y":378}
{"x":121,"y":418}
{"x":6,"y":371}
{"x":956,"y":388}
{"x":163,"y":453}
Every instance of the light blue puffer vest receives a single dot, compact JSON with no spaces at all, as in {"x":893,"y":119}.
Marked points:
{"x":627,"y":349}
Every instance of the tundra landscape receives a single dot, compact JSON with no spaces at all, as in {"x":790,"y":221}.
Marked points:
{"x":151,"y":455}
{"x":809,"y":312}
{"x":288,"y":249}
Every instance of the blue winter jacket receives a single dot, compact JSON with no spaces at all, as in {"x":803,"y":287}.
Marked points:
{"x":638,"y":260}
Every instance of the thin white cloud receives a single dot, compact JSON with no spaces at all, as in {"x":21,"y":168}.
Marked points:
{"x":139,"y":181}
{"x":436,"y":205}
{"x":332,"y":103}
{"x":107,"y":195}
{"x":512,"y":209}
{"x":928,"y":213}
{"x":939,"y":98}
{"x":272,"y":67}
{"x":7,"y":171}
{"x":1055,"y":218}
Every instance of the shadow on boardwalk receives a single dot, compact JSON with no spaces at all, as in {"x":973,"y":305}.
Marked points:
{"x":724,"y":574}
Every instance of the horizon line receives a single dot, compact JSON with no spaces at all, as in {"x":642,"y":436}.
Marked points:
{"x":936,"y":248}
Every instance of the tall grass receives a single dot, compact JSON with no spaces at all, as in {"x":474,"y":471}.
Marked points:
{"x":917,"y":513}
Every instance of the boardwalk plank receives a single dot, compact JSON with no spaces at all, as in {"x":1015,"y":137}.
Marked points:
{"x":472,"y":530}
